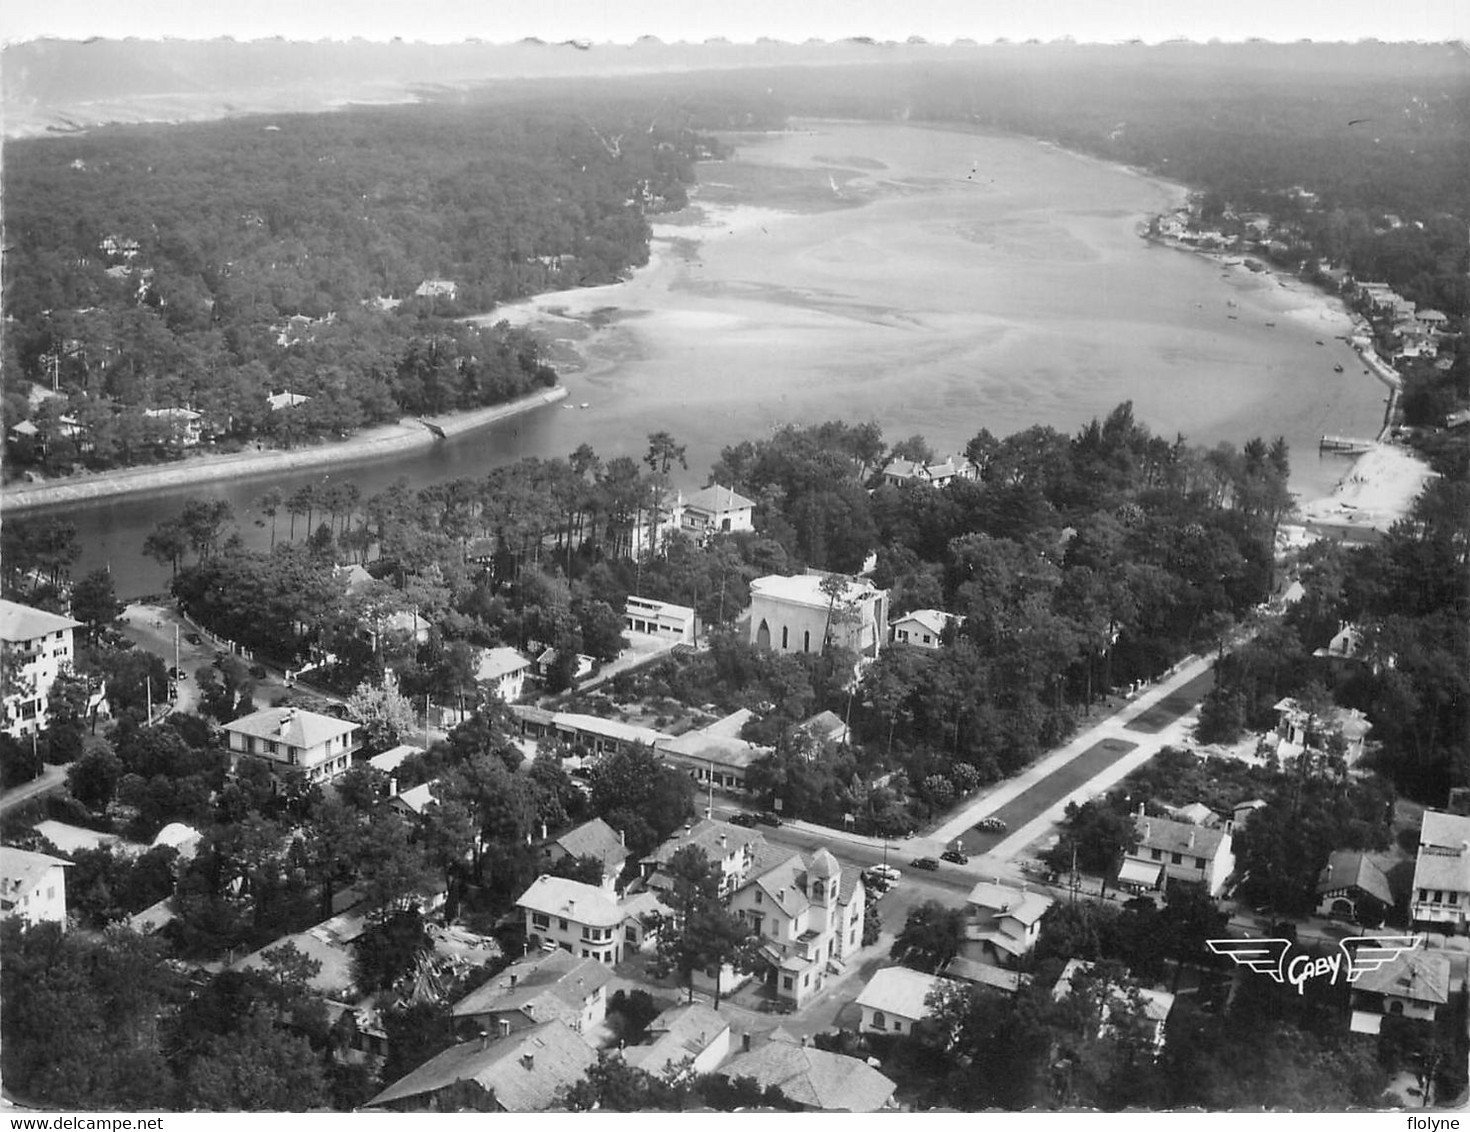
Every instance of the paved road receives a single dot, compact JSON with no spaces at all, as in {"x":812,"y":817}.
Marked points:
{"x":50,"y":778}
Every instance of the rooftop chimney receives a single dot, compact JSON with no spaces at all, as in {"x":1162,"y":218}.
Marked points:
{"x":723,"y":839}
{"x":804,"y":1040}
{"x":571,"y":906}
{"x":503,"y":1024}
{"x":528,"y":1060}
{"x":744,"y":1043}
{"x":393,"y":786}
{"x":543,"y":831}
{"x":622,"y":839}
{"x":514,"y":978}
{"x":1190,"y":845}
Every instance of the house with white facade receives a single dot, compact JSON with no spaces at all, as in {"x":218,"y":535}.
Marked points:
{"x":731,"y":849}
{"x":659,"y":619}
{"x":1440,"y":898}
{"x":32,"y":887}
{"x":578,"y":918}
{"x":795,"y":615}
{"x":685,"y":1040}
{"x":503,"y":671}
{"x":1415,"y":984}
{"x":714,"y":756}
{"x":896,"y":999}
{"x":292,"y":739}
{"x":183,"y":427}
{"x":899,"y":472}
{"x":716,"y":509}
{"x":1004,"y":923}
{"x":1171,"y":850}
{"x":807,"y":913}
{"x":34,"y":647}
{"x":922,"y":627}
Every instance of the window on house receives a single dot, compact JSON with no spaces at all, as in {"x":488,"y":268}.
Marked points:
{"x":630,"y":935}
{"x":1424,"y":894}
{"x":586,"y":954}
{"x":540,"y":921}
{"x":785,"y":635}
{"x":880,"y":1020}
{"x":1156,"y":854}
{"x":787,"y":982}
{"x":806,"y":641}
{"x":806,"y":980}
{"x":562,"y":924}
{"x":898,"y":1024}
{"x":1454,"y":898}
{"x":759,"y":897}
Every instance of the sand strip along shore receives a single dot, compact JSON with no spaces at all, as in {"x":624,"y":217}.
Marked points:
{"x":1379,"y":490}
{"x":405,"y":435}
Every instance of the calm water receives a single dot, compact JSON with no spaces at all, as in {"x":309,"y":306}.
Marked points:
{"x":937,"y":282}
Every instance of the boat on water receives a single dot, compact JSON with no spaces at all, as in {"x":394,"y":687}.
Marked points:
{"x":1320,"y":342}
{"x":584,"y":405}
{"x":1270,"y":324}
{"x":1337,"y":368}
{"x":1232,"y":316}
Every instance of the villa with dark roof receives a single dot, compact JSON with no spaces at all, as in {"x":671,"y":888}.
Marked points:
{"x":816,"y":1080}
{"x":319,"y":746}
{"x":1175,"y":850}
{"x":595,"y":839}
{"x":1348,"y":877}
{"x":730,"y":848}
{"x":523,"y":1072}
{"x":539,"y":988}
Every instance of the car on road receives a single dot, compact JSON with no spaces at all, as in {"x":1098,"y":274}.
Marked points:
{"x":769,"y":819}
{"x":744,"y":819}
{"x":991,"y":825}
{"x":194,"y":638}
{"x":954,"y":857}
{"x":177,"y":674}
{"x":887,"y":872}
{"x":928,"y":864}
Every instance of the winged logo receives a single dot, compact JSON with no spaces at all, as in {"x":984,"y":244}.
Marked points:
{"x":1369,"y":952}
{"x":1264,"y":956}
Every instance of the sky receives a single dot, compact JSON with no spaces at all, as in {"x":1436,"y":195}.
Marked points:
{"x":622,"y":21}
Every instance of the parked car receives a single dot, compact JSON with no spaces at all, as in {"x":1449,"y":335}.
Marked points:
{"x":928,"y":864}
{"x":954,"y":857}
{"x":747,"y":820}
{"x":194,"y":638}
{"x":177,"y":673}
{"x":771,"y":820}
{"x":887,"y":872}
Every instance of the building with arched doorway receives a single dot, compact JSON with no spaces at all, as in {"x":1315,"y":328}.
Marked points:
{"x":798,"y":615}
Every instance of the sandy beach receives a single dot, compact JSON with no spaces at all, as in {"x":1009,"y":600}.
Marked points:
{"x":405,"y":435}
{"x":1379,"y":490}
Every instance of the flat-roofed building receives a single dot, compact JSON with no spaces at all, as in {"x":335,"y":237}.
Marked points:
{"x":35,"y":645}
{"x":796,"y":615}
{"x":659,"y":619}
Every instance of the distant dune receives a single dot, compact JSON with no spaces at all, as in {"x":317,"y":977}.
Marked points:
{"x":52,"y":86}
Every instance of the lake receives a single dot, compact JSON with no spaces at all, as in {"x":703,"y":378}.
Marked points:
{"x":936,"y":281}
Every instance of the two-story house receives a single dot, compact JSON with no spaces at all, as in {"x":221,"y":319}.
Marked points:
{"x":34,"y":647}
{"x":293,"y":739}
{"x":537,"y":989}
{"x":502,"y":671}
{"x":1440,"y":899}
{"x":32,"y":887}
{"x":659,"y":619}
{"x":796,"y":615}
{"x":1124,"y":1008}
{"x":716,"y":509}
{"x":1175,"y":850}
{"x":807,"y":913}
{"x":1004,"y":923}
{"x":575,"y":917}
{"x":730,"y":848}
{"x":595,"y":839}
